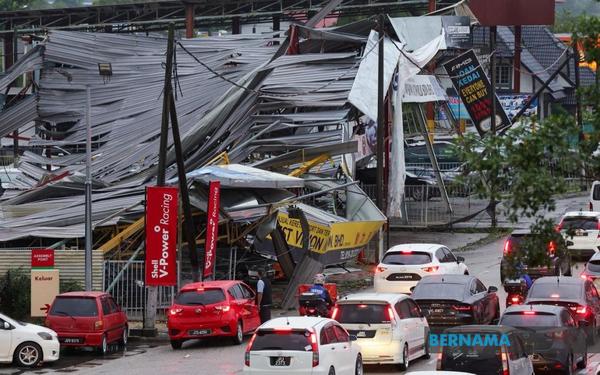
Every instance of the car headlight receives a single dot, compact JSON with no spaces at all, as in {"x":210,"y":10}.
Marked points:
{"x":45,"y":335}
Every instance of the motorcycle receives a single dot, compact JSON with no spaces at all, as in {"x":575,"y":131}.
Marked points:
{"x":516,"y":290}
{"x":310,"y":304}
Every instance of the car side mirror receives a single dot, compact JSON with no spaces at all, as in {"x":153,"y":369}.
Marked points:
{"x":460,"y":259}
{"x":353,"y":338}
{"x":6,"y":326}
{"x":492,"y":289}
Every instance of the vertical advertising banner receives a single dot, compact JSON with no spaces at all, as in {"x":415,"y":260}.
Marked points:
{"x":161,"y":236}
{"x":45,"y":281}
{"x":212,"y":227}
{"x":473,"y":86}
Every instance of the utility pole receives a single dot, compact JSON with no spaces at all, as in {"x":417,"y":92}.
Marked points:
{"x":578,"y":114}
{"x":152,"y":291}
{"x":493,"y":186}
{"x":88,"y":190}
{"x":380,"y":130}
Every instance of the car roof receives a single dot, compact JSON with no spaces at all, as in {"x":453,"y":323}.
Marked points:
{"x":425,"y":247}
{"x":481,"y":328}
{"x":447,"y":278}
{"x":582,"y":213}
{"x":569,"y":280}
{"x":384,"y":297}
{"x":295,"y":322}
{"x":538,"y":308}
{"x":222,"y":284}
{"x":83,"y":294}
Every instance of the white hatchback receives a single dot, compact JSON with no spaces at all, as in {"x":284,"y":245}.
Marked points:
{"x":403,"y":266}
{"x":26,"y":344}
{"x":390,"y":327}
{"x":581,"y":230}
{"x":302,"y":345}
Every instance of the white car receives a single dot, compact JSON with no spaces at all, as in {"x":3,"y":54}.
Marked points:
{"x":389,"y":327}
{"x":302,"y":345}
{"x":581,"y":230}
{"x":27,"y":344}
{"x":403,"y":266}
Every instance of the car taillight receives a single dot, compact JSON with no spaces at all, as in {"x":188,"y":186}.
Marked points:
{"x":462,"y":307}
{"x":430,"y":269}
{"x":552,"y":248}
{"x":507,"y":247}
{"x":224,"y":308}
{"x":390,"y":314}
{"x":315,"y":349}
{"x":581,"y":310}
{"x":175,"y":311}
{"x":529,"y":312}
{"x":505,"y":368}
{"x":98,"y":325}
{"x":335,"y":313}
{"x":248,"y":348}
{"x":380,"y":269}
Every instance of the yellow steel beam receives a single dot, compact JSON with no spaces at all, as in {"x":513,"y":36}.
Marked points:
{"x":124,"y":234}
{"x":306,"y":166}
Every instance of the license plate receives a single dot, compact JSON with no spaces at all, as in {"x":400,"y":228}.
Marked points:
{"x":71,"y":340}
{"x":280,"y":361}
{"x":199,"y":332}
{"x":436,"y":311}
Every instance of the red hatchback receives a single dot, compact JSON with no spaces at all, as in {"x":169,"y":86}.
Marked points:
{"x":88,"y":319}
{"x":213,"y":308}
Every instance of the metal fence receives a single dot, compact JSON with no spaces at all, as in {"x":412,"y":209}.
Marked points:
{"x":130,"y":292}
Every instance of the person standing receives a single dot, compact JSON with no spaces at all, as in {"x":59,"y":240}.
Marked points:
{"x":264,"y":298}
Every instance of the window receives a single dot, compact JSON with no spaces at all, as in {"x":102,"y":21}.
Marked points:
{"x":341,"y":334}
{"x":73,"y":306}
{"x":449,"y":256}
{"x":586,"y":223}
{"x":480,"y":287}
{"x":504,"y":76}
{"x":440,"y":255}
{"x":596,"y":192}
{"x":363,"y":313}
{"x":246,"y":292}
{"x":406,"y":257}
{"x":328,"y":335}
{"x":403,"y":310}
{"x":200,"y":297}
{"x":567,"y":319}
{"x":415,"y":312}
{"x":106,"y":310}
{"x":236,"y":292}
{"x":113,"y":305}
{"x":281,"y":340}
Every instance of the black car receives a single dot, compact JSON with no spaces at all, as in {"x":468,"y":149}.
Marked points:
{"x":514,"y":243}
{"x":417,"y":187}
{"x":495,"y":358}
{"x":451,"y":300}
{"x":575,"y":293}
{"x":551,"y":336}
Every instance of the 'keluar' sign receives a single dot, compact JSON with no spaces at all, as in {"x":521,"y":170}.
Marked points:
{"x":474,"y":88}
{"x":161,"y":236}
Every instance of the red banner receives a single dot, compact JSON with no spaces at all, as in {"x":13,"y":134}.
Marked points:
{"x":161,"y":236}
{"x":212,"y":227}
{"x":42,"y":258}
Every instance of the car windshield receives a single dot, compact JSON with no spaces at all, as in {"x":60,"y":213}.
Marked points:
{"x":366,"y":313}
{"x":200,"y":297}
{"x":533,"y":319}
{"x":282,"y":340}
{"x":74,"y":306}
{"x":554,"y":291}
{"x":594,"y":265}
{"x":587,"y":223}
{"x":406,"y":258}
{"x":472,"y":359}
{"x":444,"y":291}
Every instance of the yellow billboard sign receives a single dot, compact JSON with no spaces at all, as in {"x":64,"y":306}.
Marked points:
{"x":335,"y":236}
{"x":44,"y":287}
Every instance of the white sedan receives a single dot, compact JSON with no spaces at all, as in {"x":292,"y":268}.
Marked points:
{"x":403,"y":266}
{"x":301,"y":345}
{"x":390,"y":327}
{"x":26,"y":344}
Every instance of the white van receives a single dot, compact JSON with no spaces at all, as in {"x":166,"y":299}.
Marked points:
{"x":595,"y":196}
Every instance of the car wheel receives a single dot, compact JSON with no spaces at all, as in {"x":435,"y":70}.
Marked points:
{"x":239,"y":334}
{"x":331,"y":371}
{"x":124,"y":337}
{"x":583,"y":363}
{"x":358,"y":368}
{"x":176,"y":344}
{"x":28,"y":354}
{"x":103,"y":348}
{"x":405,"y":362}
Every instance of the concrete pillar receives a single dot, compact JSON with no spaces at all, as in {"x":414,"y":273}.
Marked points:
{"x":189,"y":20}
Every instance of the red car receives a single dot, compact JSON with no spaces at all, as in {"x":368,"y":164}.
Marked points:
{"x":213,"y":308}
{"x":88,"y":319}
